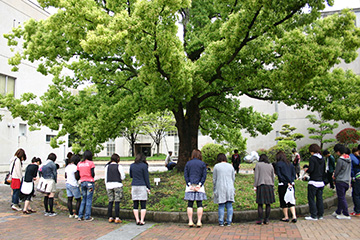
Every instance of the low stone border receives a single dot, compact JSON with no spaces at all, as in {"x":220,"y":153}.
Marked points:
{"x":208,"y":217}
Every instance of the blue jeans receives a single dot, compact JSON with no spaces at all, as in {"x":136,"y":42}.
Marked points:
{"x":356,"y":195}
{"x":15,"y":196}
{"x":221,"y":211}
{"x":87,"y":191}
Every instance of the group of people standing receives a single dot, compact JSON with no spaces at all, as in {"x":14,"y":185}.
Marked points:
{"x":320,"y":169}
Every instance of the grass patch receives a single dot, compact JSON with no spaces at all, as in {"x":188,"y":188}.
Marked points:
{"x":169,"y":194}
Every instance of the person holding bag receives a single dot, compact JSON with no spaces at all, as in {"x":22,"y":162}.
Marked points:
{"x":286,"y":175}
{"x":16,"y":176}
{"x":49,"y":180}
{"x":27,"y":187}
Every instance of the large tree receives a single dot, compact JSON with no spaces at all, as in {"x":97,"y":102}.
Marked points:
{"x":129,"y":49}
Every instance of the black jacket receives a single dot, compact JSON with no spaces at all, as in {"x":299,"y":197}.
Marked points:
{"x":316,"y":168}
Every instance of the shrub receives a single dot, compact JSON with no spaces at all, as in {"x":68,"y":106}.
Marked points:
{"x":262,"y":151}
{"x":210,"y":151}
{"x":289,"y":143}
{"x":304,"y":153}
{"x":347,"y":136}
{"x":275,"y":149}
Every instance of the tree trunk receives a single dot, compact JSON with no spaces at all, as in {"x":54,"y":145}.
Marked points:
{"x":188,"y":128}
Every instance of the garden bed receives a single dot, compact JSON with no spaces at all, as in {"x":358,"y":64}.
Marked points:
{"x":168,"y":196}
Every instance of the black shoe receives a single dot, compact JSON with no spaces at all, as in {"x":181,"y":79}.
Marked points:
{"x":266,"y":221}
{"x":284,"y":220}
{"x":294,"y":220}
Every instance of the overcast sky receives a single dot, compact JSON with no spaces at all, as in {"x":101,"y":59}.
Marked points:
{"x":340,"y":4}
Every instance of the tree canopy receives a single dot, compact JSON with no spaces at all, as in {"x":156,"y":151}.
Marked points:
{"x":130,"y":53}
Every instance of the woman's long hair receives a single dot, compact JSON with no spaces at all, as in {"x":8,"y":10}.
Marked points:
{"x":140,"y":157}
{"x":221,"y":158}
{"x":196,"y":153}
{"x":20,"y":153}
{"x":264,"y":158}
{"x":281,"y":156}
{"x":87,"y":156}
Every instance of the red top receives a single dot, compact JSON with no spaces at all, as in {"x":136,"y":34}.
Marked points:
{"x":84,"y":168}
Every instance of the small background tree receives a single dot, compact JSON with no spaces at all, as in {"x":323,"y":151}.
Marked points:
{"x":288,"y":136}
{"x":347,"y":136}
{"x":157,"y":124}
{"x":324,"y":128}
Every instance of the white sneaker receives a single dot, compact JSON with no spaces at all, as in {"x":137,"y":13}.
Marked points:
{"x":76,"y":216}
{"x":52,"y":214}
{"x":311,"y":218}
{"x":71,"y":216}
{"x":341,"y":216}
{"x":46,"y":214}
{"x":321,"y":218}
{"x":334,"y":214}
{"x":16,"y":207}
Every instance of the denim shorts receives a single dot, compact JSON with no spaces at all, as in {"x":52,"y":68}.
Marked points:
{"x":73,"y":191}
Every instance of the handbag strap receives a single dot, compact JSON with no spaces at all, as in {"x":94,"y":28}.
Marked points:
{"x":12,"y":169}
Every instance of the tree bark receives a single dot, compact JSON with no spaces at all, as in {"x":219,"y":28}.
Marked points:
{"x":188,"y":128}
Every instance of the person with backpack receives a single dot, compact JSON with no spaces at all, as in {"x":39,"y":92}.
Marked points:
{"x":114,"y":175}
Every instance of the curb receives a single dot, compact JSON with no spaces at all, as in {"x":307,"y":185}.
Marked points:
{"x":208,"y":217}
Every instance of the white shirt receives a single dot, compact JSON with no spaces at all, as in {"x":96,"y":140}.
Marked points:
{"x":168,"y":159}
{"x":70,"y":171}
{"x":112,"y":185}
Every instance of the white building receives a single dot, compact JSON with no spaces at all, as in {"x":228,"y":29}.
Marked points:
{"x":14,"y":133}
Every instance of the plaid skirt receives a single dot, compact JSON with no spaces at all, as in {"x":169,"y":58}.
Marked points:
{"x":265,"y":194}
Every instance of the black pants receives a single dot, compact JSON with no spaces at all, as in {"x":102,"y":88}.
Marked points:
{"x":316,"y":207}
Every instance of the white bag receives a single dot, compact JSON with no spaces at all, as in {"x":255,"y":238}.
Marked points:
{"x":41,"y":187}
{"x":290,"y":195}
{"x":27,"y":187}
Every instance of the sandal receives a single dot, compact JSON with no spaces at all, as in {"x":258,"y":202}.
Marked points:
{"x":32,"y":211}
{"x":26,"y":212}
{"x":142,"y":223}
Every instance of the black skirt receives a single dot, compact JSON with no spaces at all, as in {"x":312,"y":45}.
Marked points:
{"x":265,"y":194}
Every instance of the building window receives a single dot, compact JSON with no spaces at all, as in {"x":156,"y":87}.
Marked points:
{"x":172,"y":133}
{"x":110,"y":147}
{"x":49,"y":137}
{"x":7,"y":84}
{"x":22,"y":129}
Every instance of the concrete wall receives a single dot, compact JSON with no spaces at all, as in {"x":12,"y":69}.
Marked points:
{"x":12,"y":14}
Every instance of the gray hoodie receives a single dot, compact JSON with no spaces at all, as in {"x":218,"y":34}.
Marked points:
{"x":343,"y":170}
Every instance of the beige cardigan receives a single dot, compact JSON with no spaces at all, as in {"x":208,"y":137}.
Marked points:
{"x":17,"y":172}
